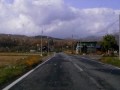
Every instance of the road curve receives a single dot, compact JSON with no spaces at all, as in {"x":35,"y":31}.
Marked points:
{"x":71,"y":72}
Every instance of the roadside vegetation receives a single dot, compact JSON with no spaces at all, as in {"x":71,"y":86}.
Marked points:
{"x":15,"y":64}
{"x":109,"y":46}
{"x":111,"y":60}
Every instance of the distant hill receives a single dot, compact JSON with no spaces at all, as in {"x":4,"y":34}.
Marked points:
{"x":13,"y":36}
{"x":27,"y":37}
{"x":38,"y":37}
{"x":89,"y":38}
{"x":98,"y":38}
{"x":92,"y":38}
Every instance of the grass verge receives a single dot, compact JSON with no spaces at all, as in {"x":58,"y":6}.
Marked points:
{"x":14,"y":66}
{"x":111,"y":60}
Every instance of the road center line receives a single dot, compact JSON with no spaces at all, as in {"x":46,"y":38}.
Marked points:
{"x":79,"y":68}
{"x":25,"y":75}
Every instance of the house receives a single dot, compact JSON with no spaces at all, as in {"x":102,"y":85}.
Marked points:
{"x":87,"y":47}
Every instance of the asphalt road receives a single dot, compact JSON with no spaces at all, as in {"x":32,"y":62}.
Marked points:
{"x":71,"y":72}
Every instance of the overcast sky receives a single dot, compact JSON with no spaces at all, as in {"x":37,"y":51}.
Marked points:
{"x":59,"y":18}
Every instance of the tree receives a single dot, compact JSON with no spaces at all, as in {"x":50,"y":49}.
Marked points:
{"x":109,"y":43}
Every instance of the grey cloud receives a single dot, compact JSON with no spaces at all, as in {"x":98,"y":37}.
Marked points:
{"x":55,"y":17}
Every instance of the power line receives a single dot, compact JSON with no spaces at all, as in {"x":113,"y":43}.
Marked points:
{"x":110,"y":25}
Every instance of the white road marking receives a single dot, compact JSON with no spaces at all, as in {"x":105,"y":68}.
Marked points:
{"x":79,"y":68}
{"x":25,"y":75}
{"x":96,"y":83}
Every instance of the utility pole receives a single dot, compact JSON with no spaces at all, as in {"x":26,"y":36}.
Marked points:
{"x":41,"y":43}
{"x":80,"y":46}
{"x":119,"y":36}
{"x":48,"y":44}
{"x":72,"y":44}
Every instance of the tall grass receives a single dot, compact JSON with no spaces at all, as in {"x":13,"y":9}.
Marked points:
{"x":11,"y":68}
{"x":32,"y":61}
{"x":111,"y":60}
{"x":8,"y":73}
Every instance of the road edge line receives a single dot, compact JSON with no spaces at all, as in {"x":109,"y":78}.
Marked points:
{"x":25,"y":75}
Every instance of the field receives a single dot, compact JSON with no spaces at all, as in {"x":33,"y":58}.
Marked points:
{"x":10,"y":60}
{"x":18,"y":54}
{"x":15,"y":64}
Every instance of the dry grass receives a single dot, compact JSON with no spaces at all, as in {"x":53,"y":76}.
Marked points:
{"x":12,"y":65}
{"x":32,"y":60}
{"x":18,"y":54}
{"x":10,"y":60}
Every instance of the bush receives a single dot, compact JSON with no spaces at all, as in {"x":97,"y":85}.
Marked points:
{"x":32,"y":61}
